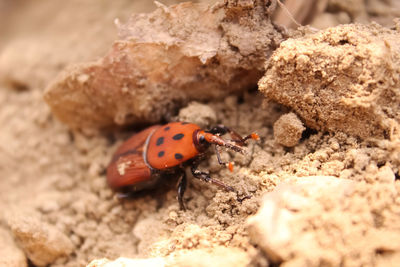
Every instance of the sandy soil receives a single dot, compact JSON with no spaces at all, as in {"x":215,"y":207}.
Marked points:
{"x":327,"y":193}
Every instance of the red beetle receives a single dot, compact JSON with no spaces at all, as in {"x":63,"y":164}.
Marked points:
{"x":167,"y":149}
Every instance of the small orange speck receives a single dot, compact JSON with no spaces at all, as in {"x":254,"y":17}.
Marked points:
{"x":255,"y":136}
{"x":230,"y":166}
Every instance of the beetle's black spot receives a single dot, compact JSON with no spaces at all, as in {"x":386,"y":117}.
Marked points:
{"x":161,"y":153}
{"x":166,"y":128}
{"x":183,"y":123}
{"x":178,"y":156}
{"x":178,"y":136}
{"x":160,"y":141}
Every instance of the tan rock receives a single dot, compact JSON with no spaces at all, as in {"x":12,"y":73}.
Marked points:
{"x":126,"y":262}
{"x":41,"y":242}
{"x":322,"y":220}
{"x":274,"y":227}
{"x":218,"y":256}
{"x":10,"y":254}
{"x":288,"y":129}
{"x":163,"y":60}
{"x":200,"y":114}
{"x":344,"y":78}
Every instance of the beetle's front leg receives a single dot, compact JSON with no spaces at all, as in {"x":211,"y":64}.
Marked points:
{"x":218,"y":153}
{"x":227,"y":164}
{"x":206,"y":178}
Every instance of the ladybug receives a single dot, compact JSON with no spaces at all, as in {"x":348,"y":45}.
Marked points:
{"x":162,"y":150}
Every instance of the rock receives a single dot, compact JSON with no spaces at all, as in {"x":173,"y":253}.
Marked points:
{"x":200,"y":114}
{"x":288,"y":129}
{"x":10,"y":254}
{"x":344,"y":78}
{"x":278,"y":227}
{"x":126,"y":262}
{"x":41,"y":242}
{"x":217,"y":256}
{"x":165,"y":59}
{"x":148,"y":238}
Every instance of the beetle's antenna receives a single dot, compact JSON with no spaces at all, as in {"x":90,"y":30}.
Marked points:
{"x":236,"y":144}
{"x":237,"y":138}
{"x":243,"y":140}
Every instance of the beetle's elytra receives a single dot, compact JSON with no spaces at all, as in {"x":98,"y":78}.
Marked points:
{"x":167,"y":149}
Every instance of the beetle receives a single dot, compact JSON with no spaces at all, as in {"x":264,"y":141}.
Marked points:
{"x":160,"y":150}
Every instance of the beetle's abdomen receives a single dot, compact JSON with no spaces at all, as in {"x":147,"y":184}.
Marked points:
{"x":127,"y":170}
{"x":171,"y":144}
{"x":127,"y":166}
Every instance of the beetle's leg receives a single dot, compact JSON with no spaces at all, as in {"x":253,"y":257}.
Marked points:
{"x":227,"y":164}
{"x":219,"y":155}
{"x":240,"y":199}
{"x":206,"y":178}
{"x":181,"y":190}
{"x":125,"y":195}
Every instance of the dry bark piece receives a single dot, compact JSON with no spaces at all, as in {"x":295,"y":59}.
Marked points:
{"x":165,"y":59}
{"x":288,"y":129}
{"x":345,"y":78}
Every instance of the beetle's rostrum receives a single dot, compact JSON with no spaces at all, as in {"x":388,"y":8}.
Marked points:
{"x":163,"y":150}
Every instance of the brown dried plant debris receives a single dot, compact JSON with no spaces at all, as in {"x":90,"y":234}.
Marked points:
{"x":347,"y":78}
{"x":165,"y":59}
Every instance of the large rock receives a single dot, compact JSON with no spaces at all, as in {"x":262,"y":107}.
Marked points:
{"x":322,"y":220}
{"x":164,"y":59}
{"x":345,"y":78}
{"x":10,"y":254}
{"x":42,"y":243}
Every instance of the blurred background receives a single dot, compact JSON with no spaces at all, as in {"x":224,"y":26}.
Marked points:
{"x":38,"y":38}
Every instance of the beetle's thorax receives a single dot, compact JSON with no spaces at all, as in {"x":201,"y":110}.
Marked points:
{"x":171,"y":145}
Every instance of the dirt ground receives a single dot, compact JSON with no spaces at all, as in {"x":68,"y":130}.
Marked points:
{"x":324,"y":176}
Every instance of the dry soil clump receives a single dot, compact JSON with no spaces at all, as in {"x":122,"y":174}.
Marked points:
{"x":345,"y":78}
